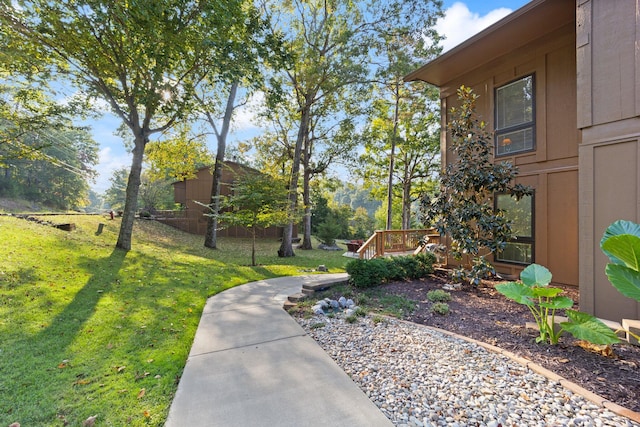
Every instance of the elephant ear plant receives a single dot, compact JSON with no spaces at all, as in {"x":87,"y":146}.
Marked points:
{"x":534,"y":291}
{"x":621,"y":243}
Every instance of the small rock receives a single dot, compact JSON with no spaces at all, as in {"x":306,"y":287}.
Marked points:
{"x":343,"y":302}
{"x":322,"y":267}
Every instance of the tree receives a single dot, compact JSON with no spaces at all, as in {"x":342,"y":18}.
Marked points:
{"x":142,"y":58}
{"x":56,"y":169}
{"x":415,"y":152}
{"x":155,"y":194}
{"x":177,"y":157}
{"x":334,"y":43}
{"x":116,"y":194}
{"x":462,"y":208}
{"x":257,"y":200}
{"x":403,"y":117}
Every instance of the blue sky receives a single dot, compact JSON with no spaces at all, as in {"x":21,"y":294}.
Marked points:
{"x":463,"y":19}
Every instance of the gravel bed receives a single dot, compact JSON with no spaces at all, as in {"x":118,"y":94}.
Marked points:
{"x":420,"y":377}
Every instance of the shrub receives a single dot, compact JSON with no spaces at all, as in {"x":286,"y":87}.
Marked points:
{"x":374,"y":272}
{"x":441,"y":308}
{"x":425,"y":263}
{"x":438,"y":295}
{"x":395,"y":270}
{"x":367,"y":273}
{"x":408,"y":266}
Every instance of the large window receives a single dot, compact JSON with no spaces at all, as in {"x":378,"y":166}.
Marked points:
{"x":520,"y":248}
{"x":515,"y":117}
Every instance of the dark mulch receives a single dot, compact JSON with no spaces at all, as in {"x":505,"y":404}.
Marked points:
{"x":487,"y":316}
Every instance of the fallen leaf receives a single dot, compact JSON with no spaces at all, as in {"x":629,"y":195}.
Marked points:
{"x":82,"y":382}
{"x":604,"y":350}
{"x":147,"y":414}
{"x":141,"y":393}
{"x":89,"y":422}
{"x":62,"y":365}
{"x":14,"y":425}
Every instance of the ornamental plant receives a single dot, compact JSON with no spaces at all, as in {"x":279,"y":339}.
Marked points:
{"x":621,"y":243}
{"x":462,"y":208}
{"x":534,"y":291}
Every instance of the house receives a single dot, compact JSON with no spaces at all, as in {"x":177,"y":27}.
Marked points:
{"x":559,"y":84}
{"x":191,"y":192}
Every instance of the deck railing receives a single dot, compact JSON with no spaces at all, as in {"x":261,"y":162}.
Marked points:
{"x":386,"y":242}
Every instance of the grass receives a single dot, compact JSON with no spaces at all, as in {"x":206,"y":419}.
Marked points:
{"x":86,"y":329}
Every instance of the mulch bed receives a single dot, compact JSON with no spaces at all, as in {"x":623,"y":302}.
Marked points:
{"x":485,"y":315}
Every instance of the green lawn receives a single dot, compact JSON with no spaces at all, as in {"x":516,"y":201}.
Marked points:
{"x":89,"y":330}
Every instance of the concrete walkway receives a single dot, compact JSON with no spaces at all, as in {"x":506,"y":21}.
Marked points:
{"x":251,"y":364}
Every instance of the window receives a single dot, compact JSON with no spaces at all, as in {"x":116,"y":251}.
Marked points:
{"x":515,"y":117}
{"x":520,"y":248}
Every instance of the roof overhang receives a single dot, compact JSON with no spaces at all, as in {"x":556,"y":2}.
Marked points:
{"x":530,"y":22}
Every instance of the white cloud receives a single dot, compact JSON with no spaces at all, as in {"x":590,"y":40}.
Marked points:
{"x":459,"y":23}
{"x":107,"y":163}
{"x":246,"y":116}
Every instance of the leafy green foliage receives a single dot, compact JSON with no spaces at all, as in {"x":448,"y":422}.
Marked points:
{"x":438,"y":295}
{"x":370,"y":273}
{"x":328,"y":231}
{"x":533,"y":291}
{"x":462,"y":208}
{"x":585,"y":327}
{"x":621,"y":243}
{"x":367,"y":273}
{"x":257,"y":200}
{"x":57,"y":171}
{"x":441,"y":308}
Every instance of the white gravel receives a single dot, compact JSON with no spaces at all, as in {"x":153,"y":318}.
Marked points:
{"x":420,"y":377}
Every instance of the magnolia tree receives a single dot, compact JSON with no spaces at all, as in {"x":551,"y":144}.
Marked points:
{"x":462,"y":209}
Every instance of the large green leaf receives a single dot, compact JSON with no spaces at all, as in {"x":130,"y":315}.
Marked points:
{"x":516,"y":291}
{"x":618,"y":228}
{"x":624,"y":247}
{"x":583,"y":326}
{"x":625,"y":280}
{"x":535,"y":275}
{"x":558,"y":303}
{"x":546,"y":292}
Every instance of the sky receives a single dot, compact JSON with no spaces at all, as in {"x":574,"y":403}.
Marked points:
{"x":463,"y":19}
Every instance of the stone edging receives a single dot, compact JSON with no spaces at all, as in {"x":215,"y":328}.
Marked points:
{"x":575,"y":388}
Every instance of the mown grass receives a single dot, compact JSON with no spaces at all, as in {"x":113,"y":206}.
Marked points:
{"x":86,"y":329}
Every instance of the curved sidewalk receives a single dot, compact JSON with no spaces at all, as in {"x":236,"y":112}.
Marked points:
{"x":251,"y":364}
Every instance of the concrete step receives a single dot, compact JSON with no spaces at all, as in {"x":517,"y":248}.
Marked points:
{"x":296,"y":297}
{"x":321,"y":285}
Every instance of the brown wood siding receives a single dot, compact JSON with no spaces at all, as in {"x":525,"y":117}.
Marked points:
{"x":608,"y":94}
{"x":552,"y":169}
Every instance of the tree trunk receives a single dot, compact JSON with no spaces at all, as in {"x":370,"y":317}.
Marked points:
{"x":286,"y":248}
{"x":253,"y":246}
{"x":306,"y":201}
{"x":392,"y":160}
{"x":211,"y":235}
{"x":131,"y":195}
{"x":406,"y":205}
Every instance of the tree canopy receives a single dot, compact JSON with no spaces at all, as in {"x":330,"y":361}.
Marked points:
{"x":143,"y":59}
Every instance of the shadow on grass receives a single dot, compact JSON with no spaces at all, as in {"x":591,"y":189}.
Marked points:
{"x":66,"y":325}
